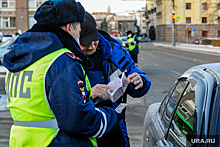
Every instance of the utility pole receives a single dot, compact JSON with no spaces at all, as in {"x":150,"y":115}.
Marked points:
{"x":173,"y":23}
{"x":147,"y":22}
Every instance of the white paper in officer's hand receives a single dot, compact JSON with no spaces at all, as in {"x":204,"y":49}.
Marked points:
{"x":119,"y":86}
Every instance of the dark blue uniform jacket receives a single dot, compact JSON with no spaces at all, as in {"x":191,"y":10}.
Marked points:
{"x":113,"y":56}
{"x":77,"y":120}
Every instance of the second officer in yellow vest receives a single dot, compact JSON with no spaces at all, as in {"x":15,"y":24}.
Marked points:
{"x":133,"y":44}
{"x":48,"y":92}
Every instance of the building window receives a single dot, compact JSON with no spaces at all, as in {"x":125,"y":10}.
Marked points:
{"x":35,"y":3}
{"x":218,"y":33}
{"x":32,"y":21}
{"x":4,"y":4}
{"x":7,"y":3}
{"x":11,"y":3}
{"x":39,"y":2}
{"x":204,"y":33}
{"x":218,"y":5}
{"x":188,"y":19}
{"x":188,"y":6}
{"x":204,"y":6}
{"x":7,"y":22}
{"x":12,"y":21}
{"x":189,"y":33}
{"x":204,"y":19}
{"x":218,"y":20}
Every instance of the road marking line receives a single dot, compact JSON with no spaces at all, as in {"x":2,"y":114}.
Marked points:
{"x":176,"y":72}
{"x":156,"y":64}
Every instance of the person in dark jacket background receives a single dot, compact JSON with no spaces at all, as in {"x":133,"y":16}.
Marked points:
{"x":133,"y":44}
{"x":47,"y":89}
{"x":110,"y":60}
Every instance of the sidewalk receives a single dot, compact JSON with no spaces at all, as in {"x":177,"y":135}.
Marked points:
{"x":191,"y":47}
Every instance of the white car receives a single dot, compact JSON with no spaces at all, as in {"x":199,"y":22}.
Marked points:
{"x":6,"y":47}
{"x":189,"y":114}
{"x":7,"y":37}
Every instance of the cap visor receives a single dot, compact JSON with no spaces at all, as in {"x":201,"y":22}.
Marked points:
{"x":87,"y":39}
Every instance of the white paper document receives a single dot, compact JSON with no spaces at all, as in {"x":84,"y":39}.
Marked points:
{"x":119,"y":86}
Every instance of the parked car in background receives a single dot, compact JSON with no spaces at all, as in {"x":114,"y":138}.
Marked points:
{"x":122,"y":41}
{"x":143,"y":39}
{"x":7,"y":37}
{"x":189,"y":114}
{"x":1,"y":38}
{"x":197,"y":41}
{"x":118,"y":39}
{"x":6,"y":47}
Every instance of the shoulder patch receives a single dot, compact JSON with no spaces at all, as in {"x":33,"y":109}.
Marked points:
{"x":81,"y":87}
{"x":71,"y":55}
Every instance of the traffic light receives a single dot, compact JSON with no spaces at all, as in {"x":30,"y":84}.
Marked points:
{"x":187,"y":27}
{"x":173,"y":18}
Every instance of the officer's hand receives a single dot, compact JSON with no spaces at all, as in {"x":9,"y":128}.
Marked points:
{"x":136,"y":79}
{"x":100,"y":90}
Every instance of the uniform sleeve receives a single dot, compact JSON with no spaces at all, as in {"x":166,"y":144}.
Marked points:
{"x":147,"y":83}
{"x":75,"y":116}
{"x":137,"y":40}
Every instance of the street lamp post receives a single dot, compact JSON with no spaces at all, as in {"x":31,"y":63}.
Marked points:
{"x":121,"y":28}
{"x":147,"y":21}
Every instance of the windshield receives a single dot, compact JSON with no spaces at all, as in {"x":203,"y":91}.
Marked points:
{"x":124,"y":39}
{"x":7,"y":43}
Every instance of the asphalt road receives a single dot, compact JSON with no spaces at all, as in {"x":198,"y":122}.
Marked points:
{"x":162,"y":65}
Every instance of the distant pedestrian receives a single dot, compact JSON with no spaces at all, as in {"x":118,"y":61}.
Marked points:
{"x":47,"y":88}
{"x":133,"y":44}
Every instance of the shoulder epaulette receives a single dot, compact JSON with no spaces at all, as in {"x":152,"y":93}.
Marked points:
{"x":71,"y":55}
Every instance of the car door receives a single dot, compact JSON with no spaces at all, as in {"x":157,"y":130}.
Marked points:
{"x":186,"y":117}
{"x":181,"y":126}
{"x":168,"y":106}
{"x":214,"y":127}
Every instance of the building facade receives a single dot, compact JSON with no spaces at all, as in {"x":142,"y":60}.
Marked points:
{"x":141,"y":22}
{"x":201,"y":16}
{"x":17,"y":16}
{"x":151,"y":10}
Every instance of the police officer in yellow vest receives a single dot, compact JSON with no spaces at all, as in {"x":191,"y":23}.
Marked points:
{"x":48,"y":92}
{"x":133,"y":44}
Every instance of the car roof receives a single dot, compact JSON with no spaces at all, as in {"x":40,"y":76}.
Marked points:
{"x":213,"y":67}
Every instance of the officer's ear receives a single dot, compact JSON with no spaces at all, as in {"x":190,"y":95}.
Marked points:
{"x":66,"y":27}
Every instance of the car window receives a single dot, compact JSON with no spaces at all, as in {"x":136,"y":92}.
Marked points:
{"x":174,"y":98}
{"x":124,"y":39}
{"x":7,"y":36}
{"x":166,"y":98}
{"x":7,"y":43}
{"x":181,"y":127}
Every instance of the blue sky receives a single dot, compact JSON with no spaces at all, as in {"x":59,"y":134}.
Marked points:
{"x":115,"y":5}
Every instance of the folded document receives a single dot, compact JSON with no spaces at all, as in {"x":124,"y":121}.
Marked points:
{"x":119,"y":86}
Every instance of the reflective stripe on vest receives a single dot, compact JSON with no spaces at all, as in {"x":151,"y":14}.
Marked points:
{"x":52,"y":124}
{"x":28,"y":104}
